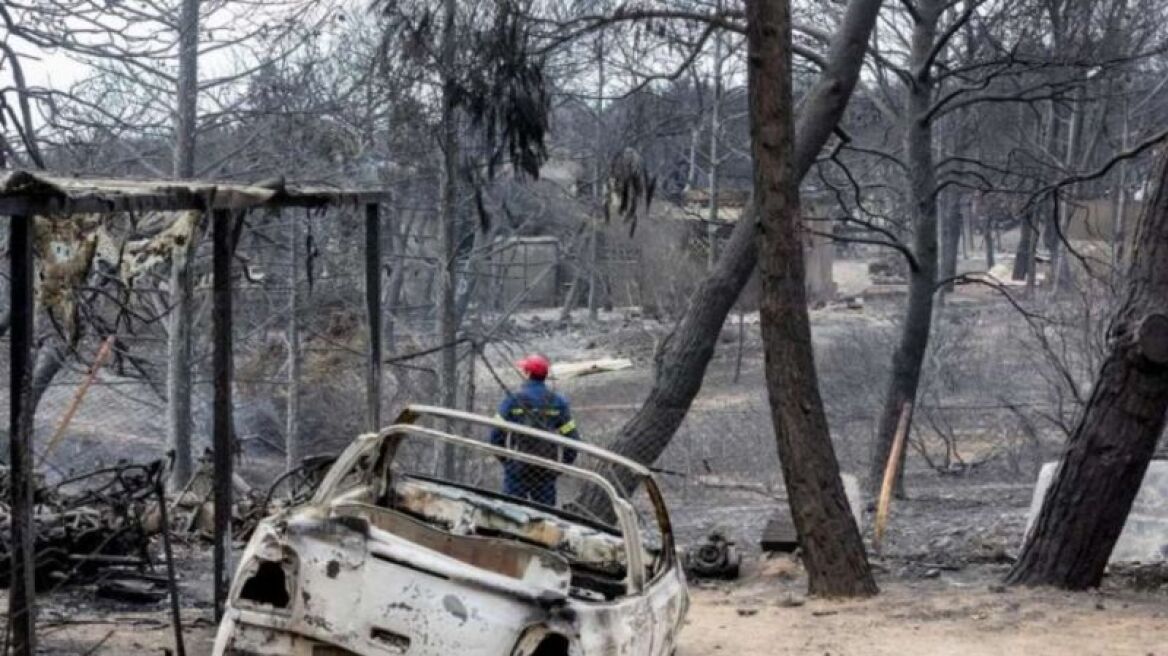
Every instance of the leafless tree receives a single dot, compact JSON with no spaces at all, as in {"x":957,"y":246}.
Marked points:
{"x":681,"y":361}
{"x":943,"y":82}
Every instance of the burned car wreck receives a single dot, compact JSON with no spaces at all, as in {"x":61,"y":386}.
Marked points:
{"x":389,"y":557}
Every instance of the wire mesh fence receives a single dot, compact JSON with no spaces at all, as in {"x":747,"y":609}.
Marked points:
{"x":721,"y":469}
{"x":299,"y":329}
{"x":301,"y":356}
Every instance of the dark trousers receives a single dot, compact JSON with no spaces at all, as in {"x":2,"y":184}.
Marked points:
{"x":536,"y":484}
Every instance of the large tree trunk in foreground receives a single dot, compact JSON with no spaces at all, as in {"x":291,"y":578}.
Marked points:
{"x":833,"y":551}
{"x":1108,"y":453}
{"x":682,"y":359}
{"x":918,"y":319}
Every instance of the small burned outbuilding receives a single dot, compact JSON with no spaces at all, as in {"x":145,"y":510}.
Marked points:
{"x":59,"y":214}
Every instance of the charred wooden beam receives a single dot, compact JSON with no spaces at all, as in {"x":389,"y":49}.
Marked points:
{"x":22,"y":592}
{"x":221,"y":376}
{"x":180,"y":648}
{"x":373,"y":312}
{"x":27,"y":194}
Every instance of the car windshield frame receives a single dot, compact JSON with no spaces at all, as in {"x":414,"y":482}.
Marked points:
{"x":382,"y":444}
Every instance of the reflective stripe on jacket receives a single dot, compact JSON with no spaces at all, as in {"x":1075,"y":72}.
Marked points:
{"x":537,"y":406}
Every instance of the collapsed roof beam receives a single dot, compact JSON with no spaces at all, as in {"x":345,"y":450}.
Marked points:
{"x":24,"y":193}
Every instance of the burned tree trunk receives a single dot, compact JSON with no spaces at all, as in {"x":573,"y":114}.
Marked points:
{"x":179,"y":336}
{"x":681,"y":361}
{"x":833,"y":551}
{"x":951,"y":230}
{"x":179,"y":361}
{"x":989,"y":223}
{"x":683,"y":357}
{"x":1025,"y":245}
{"x":1107,"y":454}
{"x":186,"y":99}
{"x":922,"y":173}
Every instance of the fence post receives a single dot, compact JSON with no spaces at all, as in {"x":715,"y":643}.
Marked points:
{"x":21,"y":593}
{"x":373,"y":312}
{"x":293,"y":447}
{"x":890,"y":473}
{"x":222,"y":424}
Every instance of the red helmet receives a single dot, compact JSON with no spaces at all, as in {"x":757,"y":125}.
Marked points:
{"x":535,"y":366}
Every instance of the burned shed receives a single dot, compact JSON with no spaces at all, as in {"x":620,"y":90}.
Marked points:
{"x":56,"y":216}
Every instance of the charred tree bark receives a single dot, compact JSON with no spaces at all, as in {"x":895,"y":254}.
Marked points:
{"x":1107,"y":455}
{"x":681,"y":361}
{"x":178,"y":361}
{"x":990,"y":220}
{"x":951,"y":242}
{"x":1026,"y":256}
{"x":1053,"y":242}
{"x":1025,"y":244}
{"x":186,"y":99}
{"x":596,"y":276}
{"x":25,"y":128}
{"x":833,"y":551}
{"x":918,"y":319}
{"x":1119,"y":234}
{"x":178,"y":369}
{"x":715,"y":131}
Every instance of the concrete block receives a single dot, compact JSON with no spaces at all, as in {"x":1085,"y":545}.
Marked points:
{"x":855,"y":499}
{"x":1145,"y":535}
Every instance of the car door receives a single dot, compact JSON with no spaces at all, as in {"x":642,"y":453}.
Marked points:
{"x":665,"y":589}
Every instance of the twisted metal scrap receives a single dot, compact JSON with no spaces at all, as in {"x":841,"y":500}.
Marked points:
{"x":87,"y":524}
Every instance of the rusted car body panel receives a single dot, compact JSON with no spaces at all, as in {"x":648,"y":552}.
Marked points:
{"x":379,"y":563}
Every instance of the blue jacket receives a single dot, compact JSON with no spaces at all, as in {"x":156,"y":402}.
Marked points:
{"x":537,"y":406}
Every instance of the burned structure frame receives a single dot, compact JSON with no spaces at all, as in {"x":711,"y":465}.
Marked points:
{"x":24,"y":196}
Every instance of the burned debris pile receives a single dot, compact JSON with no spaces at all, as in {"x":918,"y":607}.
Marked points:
{"x":89,"y":527}
{"x":193,"y":514}
{"x":97,"y":527}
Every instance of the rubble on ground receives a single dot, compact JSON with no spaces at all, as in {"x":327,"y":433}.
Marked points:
{"x":96,"y":528}
{"x":89,"y":526}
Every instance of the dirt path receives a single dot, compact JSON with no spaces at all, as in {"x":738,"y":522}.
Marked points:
{"x":952,"y":615}
{"x":938,"y":616}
